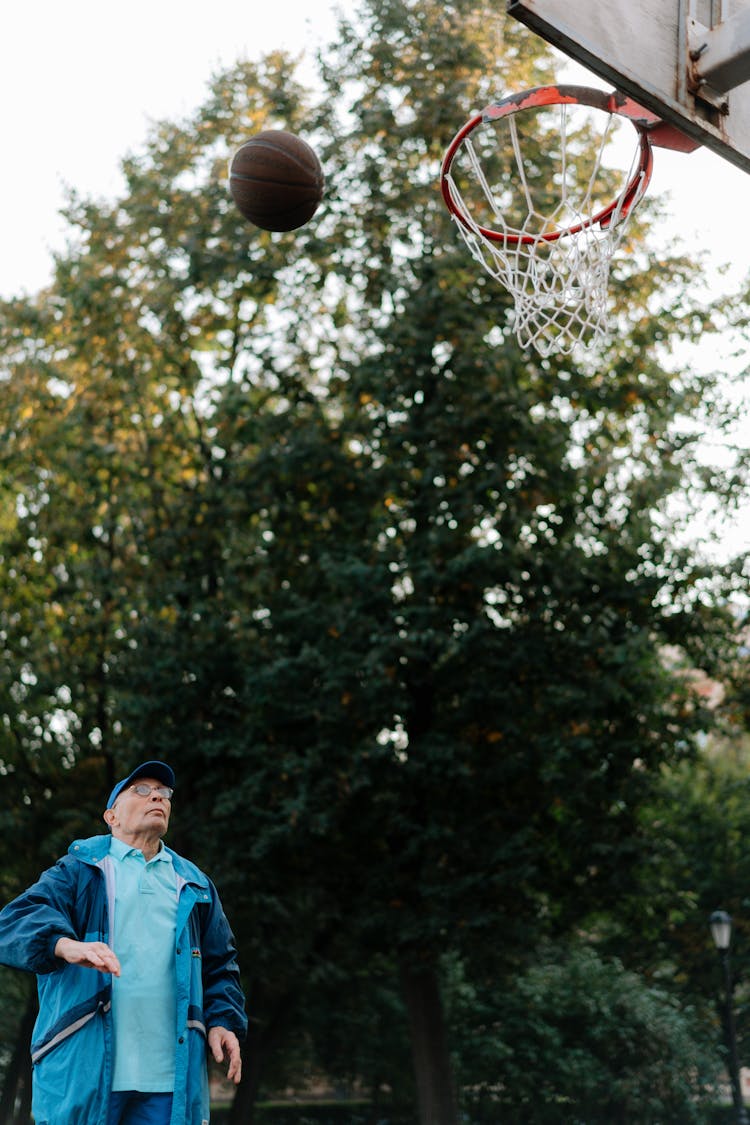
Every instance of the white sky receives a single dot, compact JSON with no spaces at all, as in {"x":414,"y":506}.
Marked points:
{"x":81,"y":81}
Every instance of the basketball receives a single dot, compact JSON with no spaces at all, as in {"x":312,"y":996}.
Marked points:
{"x":276,"y":180}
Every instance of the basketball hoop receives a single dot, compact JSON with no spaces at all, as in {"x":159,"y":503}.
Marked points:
{"x":549,"y":236}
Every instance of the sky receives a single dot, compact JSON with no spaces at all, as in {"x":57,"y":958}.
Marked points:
{"x":81,"y":82}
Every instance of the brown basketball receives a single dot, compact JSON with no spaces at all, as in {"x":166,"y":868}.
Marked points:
{"x":276,"y":180}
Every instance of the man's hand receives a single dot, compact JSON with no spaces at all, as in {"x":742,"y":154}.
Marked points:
{"x":225,"y":1044}
{"x":91,"y":954}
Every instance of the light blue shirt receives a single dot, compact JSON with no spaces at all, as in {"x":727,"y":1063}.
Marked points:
{"x":144,"y":996}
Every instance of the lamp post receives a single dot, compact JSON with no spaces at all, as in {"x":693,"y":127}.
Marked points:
{"x":720,"y":925}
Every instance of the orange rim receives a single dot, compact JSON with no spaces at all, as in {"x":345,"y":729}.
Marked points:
{"x":641,"y":119}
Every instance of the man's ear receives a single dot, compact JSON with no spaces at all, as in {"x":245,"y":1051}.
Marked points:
{"x":109,"y":816}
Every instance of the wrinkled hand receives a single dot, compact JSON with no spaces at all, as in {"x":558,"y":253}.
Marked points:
{"x":224,"y":1045}
{"x":90,"y":954}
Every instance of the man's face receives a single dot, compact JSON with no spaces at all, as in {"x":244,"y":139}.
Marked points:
{"x":135,"y":815}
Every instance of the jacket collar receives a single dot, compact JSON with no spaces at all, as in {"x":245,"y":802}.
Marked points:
{"x":96,"y":848}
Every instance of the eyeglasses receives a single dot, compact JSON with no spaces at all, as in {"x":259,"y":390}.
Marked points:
{"x":146,"y":790}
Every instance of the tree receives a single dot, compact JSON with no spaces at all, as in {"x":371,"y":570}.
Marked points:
{"x":19,"y":1013}
{"x":582,"y":1039}
{"x":512,"y":527}
{"x":696,"y":826}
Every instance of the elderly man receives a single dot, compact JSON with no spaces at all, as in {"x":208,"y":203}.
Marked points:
{"x":137,"y":972}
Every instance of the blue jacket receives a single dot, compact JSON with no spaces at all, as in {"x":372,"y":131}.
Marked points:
{"x":71,"y":1046}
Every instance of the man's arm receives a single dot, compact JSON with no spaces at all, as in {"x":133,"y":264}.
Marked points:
{"x":32,"y":924}
{"x":223,"y":1001}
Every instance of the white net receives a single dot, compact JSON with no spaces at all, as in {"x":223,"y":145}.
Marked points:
{"x":538,"y":234}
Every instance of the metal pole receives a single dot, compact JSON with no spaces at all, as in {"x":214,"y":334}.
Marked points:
{"x":734,"y":1066}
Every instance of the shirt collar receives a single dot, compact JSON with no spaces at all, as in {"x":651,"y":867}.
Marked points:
{"x":119,"y":849}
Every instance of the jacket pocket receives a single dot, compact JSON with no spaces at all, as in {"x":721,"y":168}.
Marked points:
{"x":73,"y":1021}
{"x":72,"y":1069}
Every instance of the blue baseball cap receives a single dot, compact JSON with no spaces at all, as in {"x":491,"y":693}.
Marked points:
{"x":160,"y":770}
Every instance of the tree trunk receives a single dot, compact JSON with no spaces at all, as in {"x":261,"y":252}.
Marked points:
{"x":18,"y":1074}
{"x":242,"y":1111}
{"x":24,"y":1105}
{"x":262,"y":1039}
{"x":432,"y":1066}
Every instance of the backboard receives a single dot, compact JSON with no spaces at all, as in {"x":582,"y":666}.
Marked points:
{"x":688,"y":61}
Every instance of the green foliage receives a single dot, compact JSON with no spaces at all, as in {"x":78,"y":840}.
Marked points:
{"x":696,"y":862}
{"x":15,"y":988}
{"x":578,"y":1038}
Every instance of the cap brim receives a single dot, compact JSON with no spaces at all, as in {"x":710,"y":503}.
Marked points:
{"x":158,"y":770}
